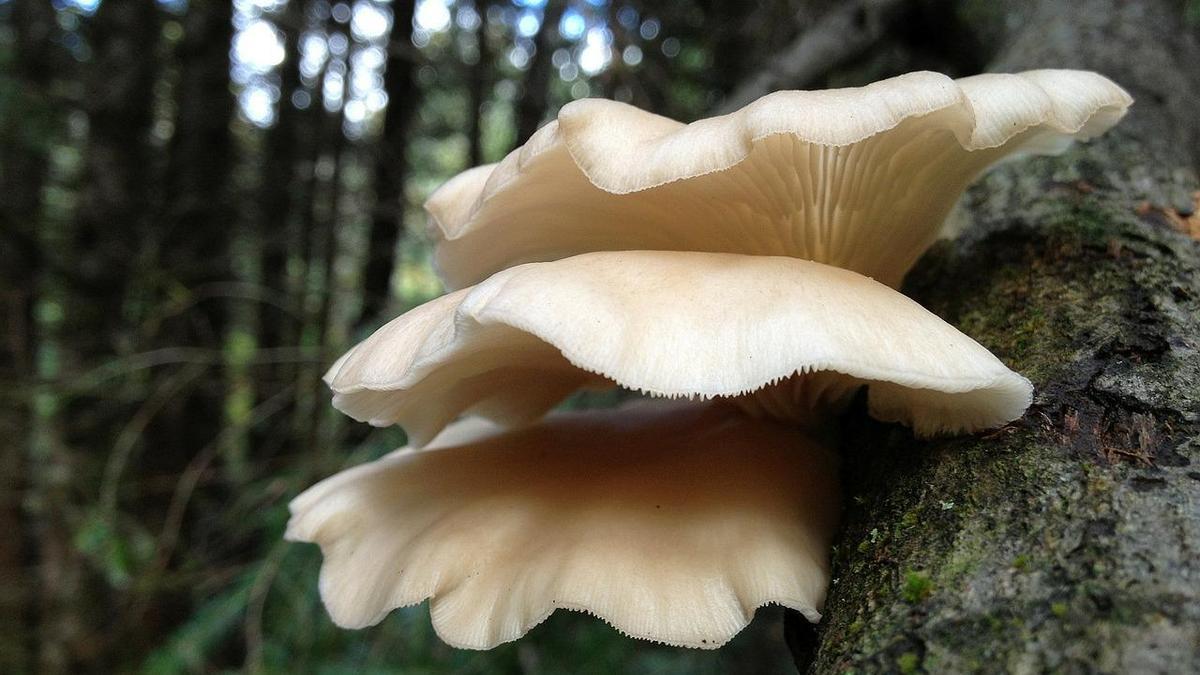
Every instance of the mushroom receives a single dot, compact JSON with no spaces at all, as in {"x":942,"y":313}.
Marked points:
{"x":727,"y":262}
{"x":857,"y":178}
{"x":783,"y":337}
{"x":672,"y":522}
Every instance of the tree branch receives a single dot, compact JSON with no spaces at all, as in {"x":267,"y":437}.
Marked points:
{"x":840,"y":35}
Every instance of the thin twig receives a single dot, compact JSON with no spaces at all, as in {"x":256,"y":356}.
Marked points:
{"x":256,"y":605}
{"x":181,"y":355}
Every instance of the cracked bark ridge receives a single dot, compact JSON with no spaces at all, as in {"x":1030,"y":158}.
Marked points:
{"x":1067,"y":541}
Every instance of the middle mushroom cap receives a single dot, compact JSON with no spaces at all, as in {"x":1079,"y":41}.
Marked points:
{"x":782,"y":336}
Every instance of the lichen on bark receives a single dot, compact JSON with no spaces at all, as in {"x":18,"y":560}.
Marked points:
{"x":1067,"y":541}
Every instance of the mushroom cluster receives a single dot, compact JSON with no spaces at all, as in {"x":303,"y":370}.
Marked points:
{"x":730,"y":263}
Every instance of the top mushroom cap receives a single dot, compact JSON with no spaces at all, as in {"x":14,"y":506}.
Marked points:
{"x":675,"y":324}
{"x":857,"y":178}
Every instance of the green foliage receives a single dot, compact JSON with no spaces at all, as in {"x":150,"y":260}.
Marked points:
{"x":119,"y":552}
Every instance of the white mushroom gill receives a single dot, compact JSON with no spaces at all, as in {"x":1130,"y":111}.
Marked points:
{"x":790,"y":339}
{"x":670,"y":521}
{"x":857,"y":178}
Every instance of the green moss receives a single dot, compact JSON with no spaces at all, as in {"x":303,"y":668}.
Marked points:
{"x":1057,"y":295}
{"x":908,"y":663}
{"x":917,"y":586}
{"x":963,"y":560}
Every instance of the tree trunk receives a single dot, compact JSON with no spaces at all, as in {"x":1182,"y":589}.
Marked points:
{"x":23,"y":170}
{"x":118,"y":172}
{"x":323,"y":259}
{"x":280,"y":194}
{"x":844,"y":32}
{"x":387,"y":219}
{"x":478,"y":81}
{"x":111,"y":222}
{"x":1067,"y":541}
{"x":532,"y":106}
{"x":193,"y":238}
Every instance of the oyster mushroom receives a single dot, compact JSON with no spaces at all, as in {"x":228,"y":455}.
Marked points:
{"x":671,"y":521}
{"x":727,"y":261}
{"x":857,"y":178}
{"x":781,"y":337}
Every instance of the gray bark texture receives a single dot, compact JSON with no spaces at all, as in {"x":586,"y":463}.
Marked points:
{"x":1068,"y":541}
{"x":843,"y":33}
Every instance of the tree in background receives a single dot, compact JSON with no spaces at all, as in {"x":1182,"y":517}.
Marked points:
{"x":387,"y":218}
{"x":29,"y":126}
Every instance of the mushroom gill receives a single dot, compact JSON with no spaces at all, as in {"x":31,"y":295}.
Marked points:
{"x":784,"y":338}
{"x":857,"y":178}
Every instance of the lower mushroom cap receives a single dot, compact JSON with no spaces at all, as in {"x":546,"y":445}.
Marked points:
{"x":674,"y":324}
{"x":670,"y":521}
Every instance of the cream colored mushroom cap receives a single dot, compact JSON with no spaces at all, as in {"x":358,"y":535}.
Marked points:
{"x":671,"y":324}
{"x":858,"y":178}
{"x":672,"y":522}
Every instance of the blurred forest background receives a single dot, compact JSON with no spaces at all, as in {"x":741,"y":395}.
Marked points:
{"x":204,"y":202}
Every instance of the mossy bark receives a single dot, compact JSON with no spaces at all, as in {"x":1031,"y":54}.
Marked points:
{"x":1068,"y":541}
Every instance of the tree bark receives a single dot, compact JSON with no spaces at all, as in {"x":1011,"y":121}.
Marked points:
{"x":193,"y":236}
{"x":478,"y":81}
{"x":280,"y":194}
{"x":323,"y":257}
{"x":1067,"y":541}
{"x":23,"y":168}
{"x":844,"y":32}
{"x":198,"y":208}
{"x":111,"y":222}
{"x":387,"y":218}
{"x":118,"y":171}
{"x":531,"y":108}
